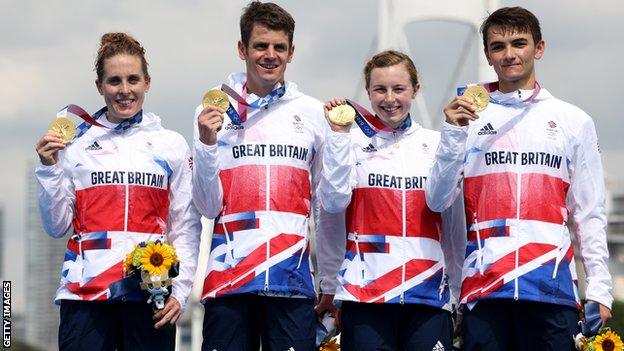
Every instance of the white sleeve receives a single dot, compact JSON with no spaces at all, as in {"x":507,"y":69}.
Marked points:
{"x":443,"y":184}
{"x":338,"y":176}
{"x":586,"y":202}
{"x":184,"y":226}
{"x":331,"y":241}
{"x":453,"y":242}
{"x":207,"y":189}
{"x":57,"y":199}
{"x":331,"y":238}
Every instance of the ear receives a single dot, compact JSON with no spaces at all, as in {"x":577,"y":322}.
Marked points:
{"x":416,"y":90}
{"x":98,"y":85}
{"x":487,"y":56}
{"x":539,"y":49}
{"x":148,"y":82}
{"x":242,"y":50}
{"x":291,"y":53}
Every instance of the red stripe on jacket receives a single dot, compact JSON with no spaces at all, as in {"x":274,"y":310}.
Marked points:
{"x":101,"y":208}
{"x":377,"y":211}
{"x":494,"y":196}
{"x":244,"y":189}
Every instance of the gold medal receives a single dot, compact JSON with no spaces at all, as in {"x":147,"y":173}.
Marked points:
{"x":65,"y":127}
{"x":479,"y":96}
{"x":341,"y":115}
{"x":216,"y":98}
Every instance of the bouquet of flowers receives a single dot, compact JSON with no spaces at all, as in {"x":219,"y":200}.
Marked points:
{"x":605,"y":340}
{"x":326,"y":333}
{"x":155,"y":262}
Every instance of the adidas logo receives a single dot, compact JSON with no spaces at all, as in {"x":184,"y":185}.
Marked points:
{"x":487,"y":129}
{"x":438,"y":347}
{"x":93,"y":147}
{"x":369,"y":148}
{"x":231,"y":126}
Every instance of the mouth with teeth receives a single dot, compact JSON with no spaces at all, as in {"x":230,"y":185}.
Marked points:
{"x":124,"y":102}
{"x":268,"y":66}
{"x":390,"y":109}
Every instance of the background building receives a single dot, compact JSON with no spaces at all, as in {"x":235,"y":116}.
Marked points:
{"x":44,"y":256}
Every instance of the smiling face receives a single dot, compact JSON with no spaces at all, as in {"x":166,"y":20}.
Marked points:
{"x":391,"y":92}
{"x":123,"y":86}
{"x":266,"y":57}
{"x":512,"y":54}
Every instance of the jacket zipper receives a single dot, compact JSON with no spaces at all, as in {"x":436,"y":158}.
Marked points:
{"x":479,"y":247}
{"x":267,"y":209}
{"x":518,"y":189}
{"x":559,"y":253}
{"x":403,"y":224}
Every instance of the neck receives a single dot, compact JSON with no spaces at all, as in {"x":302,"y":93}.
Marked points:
{"x":113,"y":119}
{"x":395,"y":125}
{"x":524,"y":84}
{"x":259,"y":89}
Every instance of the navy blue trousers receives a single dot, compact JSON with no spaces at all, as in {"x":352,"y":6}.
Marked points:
{"x":380,"y":326}
{"x":504,"y":325}
{"x":240,"y":322}
{"x":102,"y":325}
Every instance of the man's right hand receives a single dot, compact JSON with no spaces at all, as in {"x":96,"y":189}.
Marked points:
{"x":48,"y":147}
{"x":330,"y":105}
{"x":460,"y":111}
{"x":209,"y":122}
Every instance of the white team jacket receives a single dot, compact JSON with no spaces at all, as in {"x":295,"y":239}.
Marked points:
{"x":119,"y":188}
{"x":397,"y":250}
{"x":527,"y":169}
{"x":257,"y":183}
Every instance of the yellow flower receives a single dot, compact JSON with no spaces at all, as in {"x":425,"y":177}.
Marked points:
{"x":331,"y":345}
{"x":128,"y":261}
{"x":157,"y":258}
{"x":608,"y":341}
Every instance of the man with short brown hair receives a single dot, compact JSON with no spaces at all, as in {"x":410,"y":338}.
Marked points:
{"x":528,"y":163}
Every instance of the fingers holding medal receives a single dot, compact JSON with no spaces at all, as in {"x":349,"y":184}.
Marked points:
{"x":216,"y":98}
{"x":60,"y":132}
{"x":339,"y":114}
{"x":210,"y":120}
{"x":463,"y":109}
{"x":479,"y":97}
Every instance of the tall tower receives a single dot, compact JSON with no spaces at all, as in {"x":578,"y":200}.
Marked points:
{"x":44,"y":256}
{"x":395,"y":15}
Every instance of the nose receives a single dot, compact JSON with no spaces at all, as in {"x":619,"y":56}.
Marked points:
{"x":389,"y":97}
{"x":508,"y":53}
{"x":124,"y":87}
{"x":271,"y":53}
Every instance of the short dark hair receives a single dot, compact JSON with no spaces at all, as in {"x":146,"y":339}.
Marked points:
{"x":390,"y":58}
{"x":269,"y":15}
{"x":512,"y":19}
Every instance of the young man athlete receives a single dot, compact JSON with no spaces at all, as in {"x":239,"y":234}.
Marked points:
{"x":252,"y":172}
{"x":528,"y":164}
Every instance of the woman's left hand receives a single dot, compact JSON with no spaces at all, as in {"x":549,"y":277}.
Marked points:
{"x":169,"y":314}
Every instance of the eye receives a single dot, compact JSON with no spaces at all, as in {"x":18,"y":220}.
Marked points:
{"x":113,"y":80}
{"x":281,"y":47}
{"x":496,"y":47}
